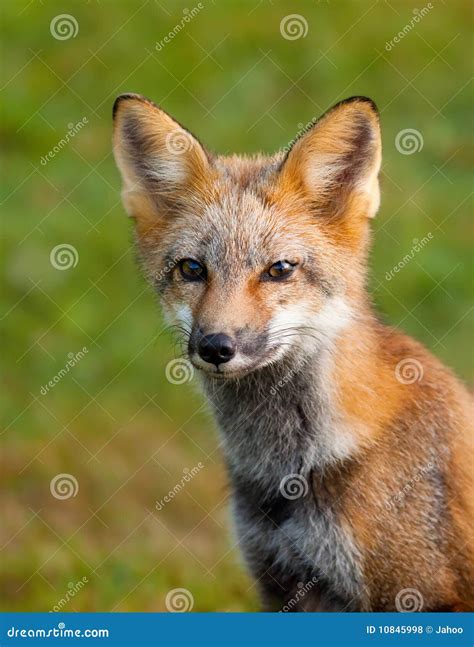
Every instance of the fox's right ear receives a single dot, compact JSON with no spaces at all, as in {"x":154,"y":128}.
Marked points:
{"x":159,"y":160}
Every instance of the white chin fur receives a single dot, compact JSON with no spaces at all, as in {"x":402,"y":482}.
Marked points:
{"x":183,"y":315}
{"x":333,"y":317}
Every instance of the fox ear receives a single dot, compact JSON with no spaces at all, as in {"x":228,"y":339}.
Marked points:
{"x":159,"y":160}
{"x":338,"y":160}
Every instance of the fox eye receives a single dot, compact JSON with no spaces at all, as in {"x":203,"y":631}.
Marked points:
{"x":192,"y":270}
{"x":281,"y":270}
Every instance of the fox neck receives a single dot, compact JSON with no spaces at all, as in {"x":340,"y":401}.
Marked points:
{"x":287,"y":418}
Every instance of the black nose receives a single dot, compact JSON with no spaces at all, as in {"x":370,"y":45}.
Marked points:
{"x":216,"y":349}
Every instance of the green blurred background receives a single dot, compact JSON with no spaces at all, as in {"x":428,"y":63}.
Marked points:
{"x":114,"y":422}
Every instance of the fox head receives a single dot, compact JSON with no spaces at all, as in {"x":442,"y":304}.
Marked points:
{"x":254,"y":258}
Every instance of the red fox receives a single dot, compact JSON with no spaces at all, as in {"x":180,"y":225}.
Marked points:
{"x":347,"y":443}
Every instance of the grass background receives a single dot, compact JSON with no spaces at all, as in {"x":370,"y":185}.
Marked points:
{"x":114,"y":422}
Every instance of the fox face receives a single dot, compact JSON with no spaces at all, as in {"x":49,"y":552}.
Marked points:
{"x":253,"y":258}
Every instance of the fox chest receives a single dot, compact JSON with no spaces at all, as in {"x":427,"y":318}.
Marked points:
{"x":289,"y":534}
{"x":293,"y":545}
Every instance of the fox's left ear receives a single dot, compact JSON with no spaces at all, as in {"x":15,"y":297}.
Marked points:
{"x":336,"y":163}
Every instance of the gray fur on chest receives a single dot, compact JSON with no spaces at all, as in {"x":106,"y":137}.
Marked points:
{"x":302,"y":545}
{"x":278,"y":422}
{"x":269,"y":432}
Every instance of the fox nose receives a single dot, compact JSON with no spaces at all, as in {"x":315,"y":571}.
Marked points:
{"x":216,"y":349}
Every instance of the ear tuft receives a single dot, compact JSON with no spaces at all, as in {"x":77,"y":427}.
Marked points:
{"x":357,"y":99}
{"x":124,"y":97}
